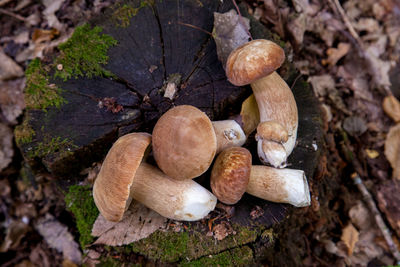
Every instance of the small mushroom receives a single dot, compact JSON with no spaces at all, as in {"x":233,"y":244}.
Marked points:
{"x":232,"y":170}
{"x":230,"y":174}
{"x":255,"y":63}
{"x":123,"y":177}
{"x":185,"y":141}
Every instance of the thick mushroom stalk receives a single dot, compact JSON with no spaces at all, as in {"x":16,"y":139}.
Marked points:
{"x":229,"y":134}
{"x":278,"y":107}
{"x":255,"y":63}
{"x":123,"y":177}
{"x":279,"y":185}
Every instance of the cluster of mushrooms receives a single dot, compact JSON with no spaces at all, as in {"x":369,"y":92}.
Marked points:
{"x":185,"y":142}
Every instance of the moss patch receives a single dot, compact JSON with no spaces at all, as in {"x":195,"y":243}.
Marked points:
{"x":123,"y":13}
{"x":172,"y":247}
{"x":24,"y":133}
{"x":79,"y":201}
{"x":236,"y":257}
{"x":51,"y":145}
{"x":84,"y":54}
{"x":39,"y":93}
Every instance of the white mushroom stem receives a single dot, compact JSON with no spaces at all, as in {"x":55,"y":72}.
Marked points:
{"x":229,"y":134}
{"x":183,"y":200}
{"x":276,"y":103}
{"x":279,"y":185}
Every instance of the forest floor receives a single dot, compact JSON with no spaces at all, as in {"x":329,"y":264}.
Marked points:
{"x":349,"y":52}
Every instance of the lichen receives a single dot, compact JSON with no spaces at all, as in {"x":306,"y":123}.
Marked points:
{"x":39,"y":92}
{"x":84,"y":54}
{"x":51,"y":145}
{"x":123,"y":14}
{"x":24,"y":133}
{"x":79,"y":201}
{"x":242,"y":256}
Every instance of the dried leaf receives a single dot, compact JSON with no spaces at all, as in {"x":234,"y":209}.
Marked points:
{"x":15,"y":232}
{"x":12,"y":99}
{"x":388,"y":200}
{"x":6,"y":146}
{"x":137,"y":223}
{"x":8,"y":68}
{"x":391,"y":106}
{"x":40,"y":35}
{"x":372,"y":154}
{"x":229,"y":33}
{"x":250,"y":115}
{"x":58,"y":237}
{"x":335,"y":54}
{"x":297,"y":27}
{"x":52,"y":6}
{"x":350,"y":238}
{"x":360,"y":216}
{"x":355,"y":125}
{"x":392,"y":150}
{"x":322,"y":84}
{"x":222,"y":230}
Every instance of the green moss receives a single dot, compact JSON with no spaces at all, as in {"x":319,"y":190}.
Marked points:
{"x":164,"y":246}
{"x":52,"y":145}
{"x":79,"y":201}
{"x":39,"y":93}
{"x":236,"y":257}
{"x":171,"y":247}
{"x":24,"y":133}
{"x":84,"y":54}
{"x":123,"y":14}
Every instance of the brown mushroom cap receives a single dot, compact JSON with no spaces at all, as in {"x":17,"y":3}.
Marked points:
{"x":230,"y":174}
{"x":184,"y":142}
{"x":112,"y":186}
{"x":253,"y":61}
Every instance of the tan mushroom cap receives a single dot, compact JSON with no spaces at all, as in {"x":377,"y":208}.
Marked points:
{"x":253,"y":60}
{"x":112,"y":186}
{"x":230,"y":174}
{"x":184,"y":142}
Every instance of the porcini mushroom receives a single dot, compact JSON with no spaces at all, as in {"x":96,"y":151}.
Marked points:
{"x":232,"y":170}
{"x":123,"y":177}
{"x":255,"y":63}
{"x":230,"y":174}
{"x":185,"y":141}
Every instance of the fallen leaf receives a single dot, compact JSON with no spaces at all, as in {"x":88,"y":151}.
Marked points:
{"x":250,"y":115}
{"x":349,"y":237}
{"x":40,"y":35}
{"x":322,"y":84}
{"x":391,"y":106}
{"x":388,"y":200}
{"x":297,"y":27}
{"x":230,"y":32}
{"x":12,"y":99}
{"x":355,"y":125}
{"x":137,"y":223}
{"x":52,"y":6}
{"x":39,"y":257}
{"x":360,"y":216}
{"x":335,"y":54}
{"x":6,"y":146}
{"x":372,"y":154}
{"x":222,"y":230}
{"x":57,"y":236}
{"x":8,"y":68}
{"x":392,"y":150}
{"x":15,"y":232}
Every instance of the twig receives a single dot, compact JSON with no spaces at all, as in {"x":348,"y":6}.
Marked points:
{"x":11,"y":14}
{"x":377,"y":215}
{"x":360,"y":44}
{"x":195,"y":27}
{"x":241,"y":20}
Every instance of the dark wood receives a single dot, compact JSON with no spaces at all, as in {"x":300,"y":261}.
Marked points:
{"x":154,"y":37}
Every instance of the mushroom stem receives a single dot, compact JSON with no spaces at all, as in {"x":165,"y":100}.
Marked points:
{"x":279,"y":185}
{"x":183,"y":200}
{"x":276,"y":103}
{"x":229,"y":134}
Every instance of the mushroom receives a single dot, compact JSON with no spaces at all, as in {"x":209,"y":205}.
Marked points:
{"x":232,"y":169}
{"x":230,"y":174}
{"x":185,"y":141}
{"x":123,"y":177}
{"x":255,"y":63}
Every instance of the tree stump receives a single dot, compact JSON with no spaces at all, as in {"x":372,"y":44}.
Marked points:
{"x":90,"y":107}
